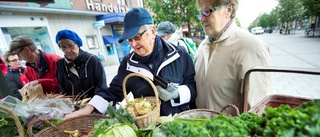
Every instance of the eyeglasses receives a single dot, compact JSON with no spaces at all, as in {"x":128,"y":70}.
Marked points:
{"x":20,"y":51}
{"x":208,"y":12}
{"x":137,"y":37}
{"x":15,"y":60}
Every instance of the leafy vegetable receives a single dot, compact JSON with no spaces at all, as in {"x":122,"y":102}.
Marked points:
{"x":8,"y":127}
{"x":119,"y":130}
{"x":115,"y":117}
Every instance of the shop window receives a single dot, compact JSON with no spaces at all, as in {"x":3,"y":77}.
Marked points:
{"x":123,"y":2}
{"x":92,"y":42}
{"x":110,"y":49}
{"x":39,"y":35}
{"x":117,"y":29}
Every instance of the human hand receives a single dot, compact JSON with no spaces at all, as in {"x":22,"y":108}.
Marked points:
{"x":171,"y":92}
{"x":31,"y":83}
{"x":85,"y":111}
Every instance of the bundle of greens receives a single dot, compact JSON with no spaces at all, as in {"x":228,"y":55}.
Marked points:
{"x":303,"y":120}
{"x":8,"y":127}
{"x":219,"y":125}
{"x":119,"y":124}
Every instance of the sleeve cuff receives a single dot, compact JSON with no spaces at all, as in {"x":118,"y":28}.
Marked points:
{"x":99,"y":103}
{"x":184,"y":96}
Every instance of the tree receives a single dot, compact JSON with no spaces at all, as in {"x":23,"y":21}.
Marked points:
{"x":312,"y":7}
{"x":263,"y":20}
{"x":289,"y":10}
{"x":274,"y":18}
{"x":179,"y":12}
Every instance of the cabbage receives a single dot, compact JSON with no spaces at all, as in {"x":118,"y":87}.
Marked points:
{"x":119,"y":130}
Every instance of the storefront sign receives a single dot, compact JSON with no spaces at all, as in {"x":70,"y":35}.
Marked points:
{"x":106,"y":8}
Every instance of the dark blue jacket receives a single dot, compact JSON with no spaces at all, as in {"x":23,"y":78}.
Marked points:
{"x":177,"y":67}
{"x":13,"y":80}
{"x":91,"y":76}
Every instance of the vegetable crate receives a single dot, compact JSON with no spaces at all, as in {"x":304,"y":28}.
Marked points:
{"x":273,"y":100}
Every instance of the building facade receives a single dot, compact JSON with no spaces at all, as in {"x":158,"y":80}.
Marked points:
{"x":99,"y":23}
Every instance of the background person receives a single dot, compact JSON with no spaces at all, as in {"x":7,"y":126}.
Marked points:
{"x":15,"y":70}
{"x":41,"y":67}
{"x":79,"y":72}
{"x":3,"y":66}
{"x":224,"y":57}
{"x":167,"y":31}
{"x":151,"y":56}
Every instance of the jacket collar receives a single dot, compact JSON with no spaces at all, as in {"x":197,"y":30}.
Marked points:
{"x":43,"y":64}
{"x":224,"y":36}
{"x":171,"y":55}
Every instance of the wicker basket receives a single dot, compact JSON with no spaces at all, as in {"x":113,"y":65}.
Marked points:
{"x":205,"y":113}
{"x":276,"y":101}
{"x":84,"y":124}
{"x":16,"y":120}
{"x":150,"y":118}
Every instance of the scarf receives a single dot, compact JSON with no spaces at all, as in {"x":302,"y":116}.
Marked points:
{"x":155,"y":58}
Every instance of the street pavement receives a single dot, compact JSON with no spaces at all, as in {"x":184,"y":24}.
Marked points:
{"x":294,"y":50}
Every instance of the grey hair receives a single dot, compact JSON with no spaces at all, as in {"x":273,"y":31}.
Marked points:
{"x":148,"y":27}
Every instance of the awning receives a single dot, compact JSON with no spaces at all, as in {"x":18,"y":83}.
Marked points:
{"x":109,"y":39}
{"x":111,"y":17}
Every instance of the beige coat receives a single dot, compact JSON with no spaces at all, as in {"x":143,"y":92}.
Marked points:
{"x":219,"y":78}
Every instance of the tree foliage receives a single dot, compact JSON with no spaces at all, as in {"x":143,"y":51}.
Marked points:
{"x":179,"y":12}
{"x":290,"y":10}
{"x":311,"y":7}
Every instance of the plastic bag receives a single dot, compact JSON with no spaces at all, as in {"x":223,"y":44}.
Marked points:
{"x":46,"y":109}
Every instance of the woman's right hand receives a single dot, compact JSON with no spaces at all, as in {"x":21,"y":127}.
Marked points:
{"x":85,"y":111}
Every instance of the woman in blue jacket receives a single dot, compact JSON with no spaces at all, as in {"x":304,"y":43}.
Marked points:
{"x":151,"y":56}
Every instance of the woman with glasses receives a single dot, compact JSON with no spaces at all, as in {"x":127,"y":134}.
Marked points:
{"x":151,"y":56}
{"x":225,"y":55}
{"x":79,"y":73}
{"x":15,"y":71}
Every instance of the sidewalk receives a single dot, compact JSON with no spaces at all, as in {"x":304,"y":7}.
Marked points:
{"x":111,"y":71}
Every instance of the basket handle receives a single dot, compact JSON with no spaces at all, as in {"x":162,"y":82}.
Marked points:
{"x":233,"y":106}
{"x":33,"y":122}
{"x":245,"y":87}
{"x":16,"y":120}
{"x":145,"y":78}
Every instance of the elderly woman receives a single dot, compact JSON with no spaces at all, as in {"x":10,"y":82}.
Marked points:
{"x":79,"y":72}
{"x":151,"y":56}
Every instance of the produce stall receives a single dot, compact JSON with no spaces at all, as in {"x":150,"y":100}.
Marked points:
{"x":276,"y":115}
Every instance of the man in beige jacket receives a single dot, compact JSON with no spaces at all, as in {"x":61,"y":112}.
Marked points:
{"x":225,"y":55}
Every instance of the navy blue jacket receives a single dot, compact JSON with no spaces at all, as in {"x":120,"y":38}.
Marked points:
{"x":177,"y":67}
{"x":13,"y":80}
